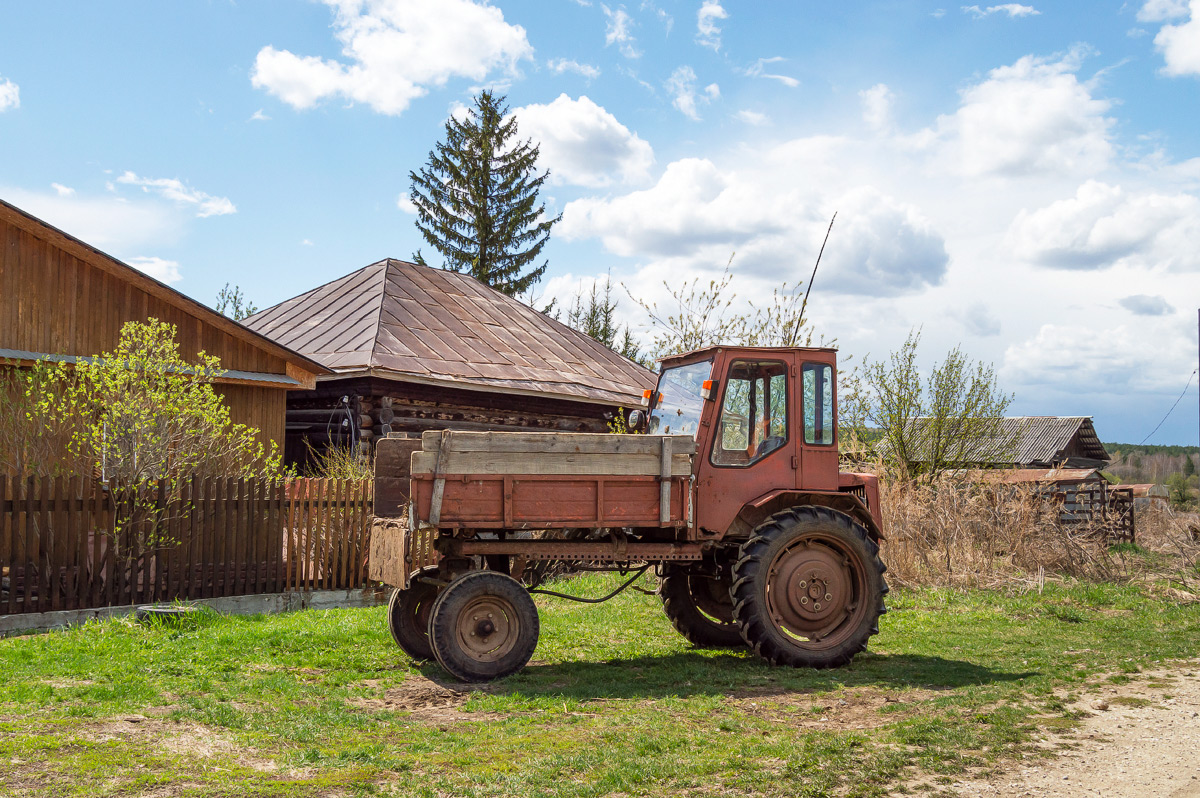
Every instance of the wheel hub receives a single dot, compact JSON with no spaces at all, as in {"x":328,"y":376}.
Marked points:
{"x":487,"y":628}
{"x":811,"y":589}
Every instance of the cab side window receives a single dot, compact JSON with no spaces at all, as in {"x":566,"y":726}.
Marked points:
{"x":817,"y":384}
{"x":754,"y":413}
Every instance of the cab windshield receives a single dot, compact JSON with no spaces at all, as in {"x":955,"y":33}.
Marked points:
{"x":678,"y":405}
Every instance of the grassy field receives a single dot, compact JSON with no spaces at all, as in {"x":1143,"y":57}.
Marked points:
{"x":614,"y":703}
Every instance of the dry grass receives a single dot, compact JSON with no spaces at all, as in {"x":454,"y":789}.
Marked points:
{"x":955,"y":533}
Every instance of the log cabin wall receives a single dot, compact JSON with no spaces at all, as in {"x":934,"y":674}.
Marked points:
{"x":376,"y":407}
{"x":56,"y":300}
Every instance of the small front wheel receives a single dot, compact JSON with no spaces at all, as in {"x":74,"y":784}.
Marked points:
{"x":483,"y":626}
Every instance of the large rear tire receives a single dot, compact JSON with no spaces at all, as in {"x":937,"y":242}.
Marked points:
{"x":483,"y":626}
{"x":808,"y":588}
{"x":700,"y":607}
{"x":408,"y":614}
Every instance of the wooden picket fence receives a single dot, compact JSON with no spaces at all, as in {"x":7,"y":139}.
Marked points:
{"x":74,"y":543}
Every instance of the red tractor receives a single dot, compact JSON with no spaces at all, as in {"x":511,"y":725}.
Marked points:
{"x":731,"y":493}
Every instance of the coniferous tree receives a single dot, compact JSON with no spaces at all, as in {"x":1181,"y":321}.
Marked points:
{"x":595,"y":315}
{"x":477,"y":199}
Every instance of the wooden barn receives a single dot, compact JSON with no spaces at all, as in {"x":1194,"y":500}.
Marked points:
{"x":61,"y":299}
{"x":1038,"y":442}
{"x":414,"y":348}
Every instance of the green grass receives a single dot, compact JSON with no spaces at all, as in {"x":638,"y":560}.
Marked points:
{"x":614,"y":702}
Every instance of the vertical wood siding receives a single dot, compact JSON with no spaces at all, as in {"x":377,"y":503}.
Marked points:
{"x":51,"y":302}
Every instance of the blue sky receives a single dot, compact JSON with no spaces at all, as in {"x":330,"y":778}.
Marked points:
{"x":1019,"y":179}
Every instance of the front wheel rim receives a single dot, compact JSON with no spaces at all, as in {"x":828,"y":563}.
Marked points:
{"x":815,"y":591}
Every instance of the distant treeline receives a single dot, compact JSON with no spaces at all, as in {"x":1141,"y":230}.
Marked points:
{"x":1141,"y":463}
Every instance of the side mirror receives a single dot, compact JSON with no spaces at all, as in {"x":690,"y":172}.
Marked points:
{"x":636,"y":417}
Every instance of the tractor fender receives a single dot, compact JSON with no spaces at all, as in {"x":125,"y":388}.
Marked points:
{"x":853,"y":504}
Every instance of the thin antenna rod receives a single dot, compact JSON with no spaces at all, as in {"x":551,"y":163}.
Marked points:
{"x":804,"y":304}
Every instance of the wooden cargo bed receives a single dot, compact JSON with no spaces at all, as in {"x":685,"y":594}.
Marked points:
{"x":546,"y":480}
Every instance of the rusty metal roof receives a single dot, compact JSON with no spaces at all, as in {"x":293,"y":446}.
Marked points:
{"x":1017,"y":476}
{"x":1045,"y":439}
{"x":415,"y":323}
{"x":1039,"y":441}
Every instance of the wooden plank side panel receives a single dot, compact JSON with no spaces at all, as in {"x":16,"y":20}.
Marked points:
{"x":555,"y":442}
{"x":555,"y":463}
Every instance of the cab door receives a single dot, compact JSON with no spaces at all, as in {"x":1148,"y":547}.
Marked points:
{"x":751,"y":438}
{"x":817,"y":429}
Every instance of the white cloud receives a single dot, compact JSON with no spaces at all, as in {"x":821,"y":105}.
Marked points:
{"x":759,"y":70}
{"x":113,"y":224}
{"x":61,"y":190}
{"x":259,"y":116}
{"x":1077,"y":359}
{"x":306,"y":242}
{"x":1033,"y":117}
{"x":1180,"y":44}
{"x":1013,"y":10}
{"x":1145,"y":305}
{"x":405,"y":203}
{"x":561,"y":65}
{"x":173,"y":189}
{"x":682,"y":88}
{"x":979,"y":320}
{"x":395,"y":50}
{"x":877,"y":106}
{"x":618,"y":31}
{"x":697,"y":214}
{"x":10,"y":95}
{"x":666,"y":19}
{"x":708,"y":32}
{"x":751,"y":117}
{"x":1103,"y":226}
{"x":583,"y":144}
{"x":1162,"y":10}
{"x":165,"y":271}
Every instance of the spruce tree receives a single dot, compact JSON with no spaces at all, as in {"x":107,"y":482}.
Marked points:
{"x":595,"y":315}
{"x":477,"y":199}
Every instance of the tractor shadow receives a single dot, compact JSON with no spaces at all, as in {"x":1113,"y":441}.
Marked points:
{"x":701,"y":672}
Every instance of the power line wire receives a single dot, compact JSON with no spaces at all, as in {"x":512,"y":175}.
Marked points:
{"x":1172,"y":410}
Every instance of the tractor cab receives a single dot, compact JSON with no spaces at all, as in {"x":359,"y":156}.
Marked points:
{"x":764,"y":421}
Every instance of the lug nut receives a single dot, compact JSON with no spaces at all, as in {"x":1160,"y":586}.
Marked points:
{"x":804,"y":599}
{"x":817,"y":606}
{"x":803,"y":583}
{"x":829,"y":597}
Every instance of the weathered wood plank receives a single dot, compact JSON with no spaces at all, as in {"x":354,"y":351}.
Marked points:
{"x":650,"y":464}
{"x":555,"y":442}
{"x":6,"y":535}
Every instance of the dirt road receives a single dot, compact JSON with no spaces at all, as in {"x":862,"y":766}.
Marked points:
{"x":1142,"y":739}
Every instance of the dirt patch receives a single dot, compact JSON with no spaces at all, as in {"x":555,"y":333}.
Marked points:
{"x":1138,"y":739}
{"x":188,"y":739}
{"x":430,"y":701}
{"x":855,"y":708}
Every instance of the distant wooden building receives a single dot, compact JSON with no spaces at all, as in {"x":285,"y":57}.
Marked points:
{"x":414,"y":348}
{"x":1039,"y":442}
{"x":61,"y":299}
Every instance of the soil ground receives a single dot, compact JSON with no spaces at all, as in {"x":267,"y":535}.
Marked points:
{"x":1139,"y":739}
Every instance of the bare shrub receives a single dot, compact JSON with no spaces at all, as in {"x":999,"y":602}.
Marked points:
{"x":954,"y":532}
